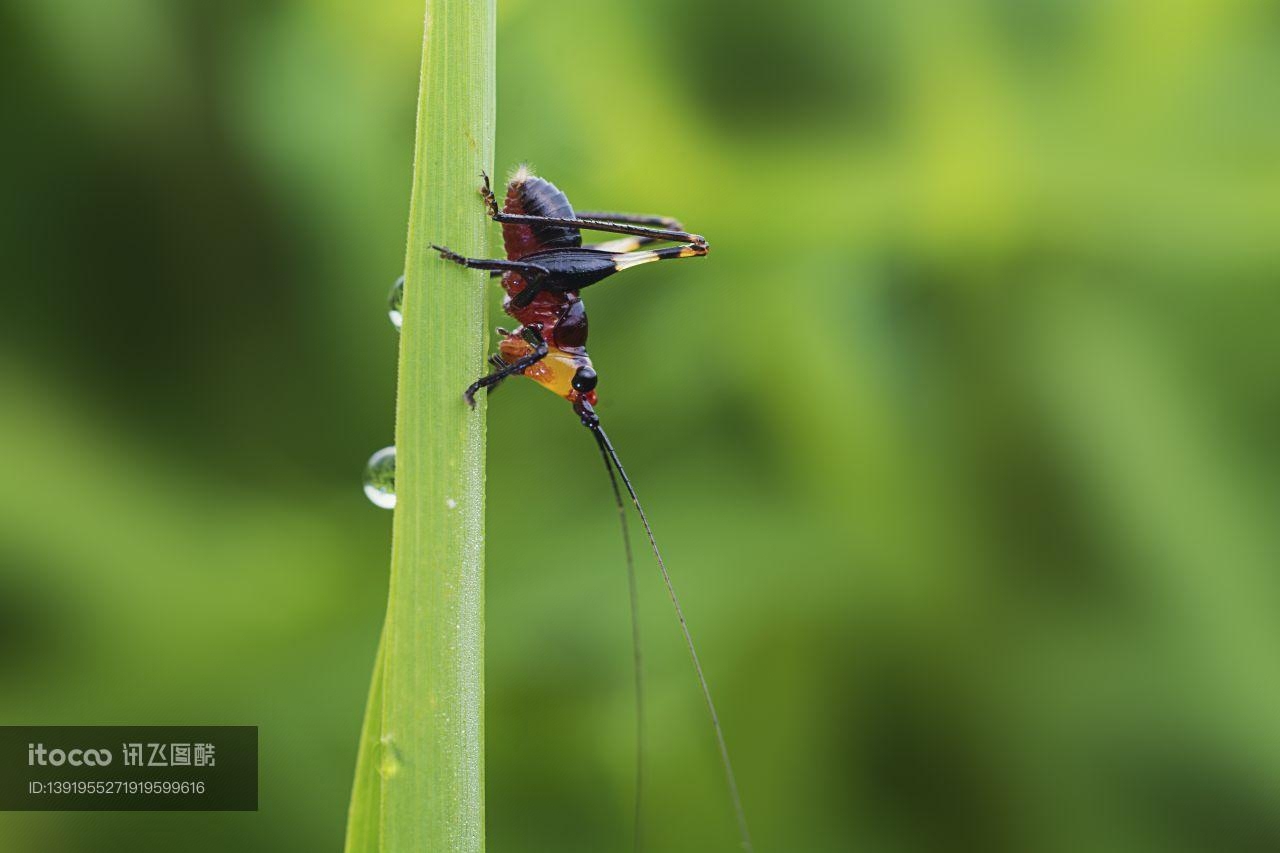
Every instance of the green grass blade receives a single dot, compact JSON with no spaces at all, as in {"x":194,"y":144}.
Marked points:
{"x":429,"y":758}
{"x":364,"y":815}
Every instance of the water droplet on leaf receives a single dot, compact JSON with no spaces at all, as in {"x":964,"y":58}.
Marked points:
{"x":380,"y":478}
{"x":394,"y":302}
{"x":389,"y":761}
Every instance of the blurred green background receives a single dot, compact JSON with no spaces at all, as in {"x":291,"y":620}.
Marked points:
{"x":961,"y":444}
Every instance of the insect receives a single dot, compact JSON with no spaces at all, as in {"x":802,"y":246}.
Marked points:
{"x":545,"y":269}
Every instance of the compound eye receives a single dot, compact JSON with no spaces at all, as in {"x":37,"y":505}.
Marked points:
{"x":584,"y":381}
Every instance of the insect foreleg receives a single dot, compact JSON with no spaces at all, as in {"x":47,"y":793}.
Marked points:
{"x":533,"y":335}
{"x":497,"y":362}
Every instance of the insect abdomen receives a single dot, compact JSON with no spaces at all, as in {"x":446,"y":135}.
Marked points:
{"x":533,"y":196}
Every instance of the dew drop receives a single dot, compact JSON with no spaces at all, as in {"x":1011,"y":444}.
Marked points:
{"x":389,"y":761}
{"x":395,"y":300}
{"x":380,"y":478}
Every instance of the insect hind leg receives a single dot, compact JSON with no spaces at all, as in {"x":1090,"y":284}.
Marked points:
{"x":628,"y":260}
{"x":629,"y":244}
{"x":629,"y":223}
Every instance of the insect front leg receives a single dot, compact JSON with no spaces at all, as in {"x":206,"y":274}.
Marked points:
{"x":499,"y":364}
{"x":531,"y":334}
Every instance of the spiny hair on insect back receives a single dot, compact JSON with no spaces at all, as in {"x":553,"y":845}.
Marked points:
{"x":520,"y":173}
{"x":545,"y":269}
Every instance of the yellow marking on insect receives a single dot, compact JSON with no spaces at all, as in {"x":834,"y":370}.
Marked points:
{"x":634,"y":259}
{"x":626,"y":244}
{"x":554,"y":372}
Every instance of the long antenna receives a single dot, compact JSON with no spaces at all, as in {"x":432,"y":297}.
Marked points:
{"x":592,"y":422}
{"x":635,"y":643}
